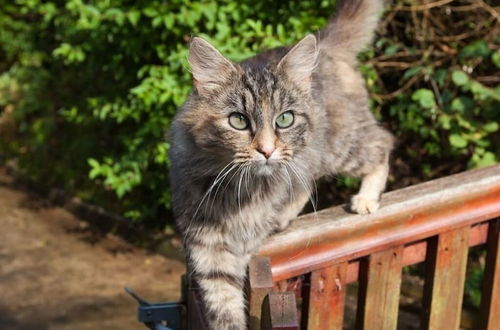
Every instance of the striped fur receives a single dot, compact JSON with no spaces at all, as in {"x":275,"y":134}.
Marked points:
{"x":227,"y":196}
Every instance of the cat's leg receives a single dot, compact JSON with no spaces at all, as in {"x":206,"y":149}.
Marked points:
{"x":220,"y":274}
{"x":372,"y":186}
{"x":370,"y":161}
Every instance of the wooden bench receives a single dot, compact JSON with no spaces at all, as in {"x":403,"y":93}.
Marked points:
{"x":434,"y":222}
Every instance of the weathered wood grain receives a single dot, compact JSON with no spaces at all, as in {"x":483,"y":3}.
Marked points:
{"x":279,"y":312}
{"x":326,"y":298}
{"x":260,"y":283}
{"x":379,"y":288}
{"x":490,"y":303}
{"x":445,"y":276}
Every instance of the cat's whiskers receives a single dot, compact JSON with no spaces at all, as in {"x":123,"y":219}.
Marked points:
{"x":217,"y":186}
{"x":239,"y":188}
{"x":231,"y":178}
{"x":220,"y":177}
{"x":237,"y":161}
{"x":214,"y":197}
{"x":247,"y":178}
{"x":304,"y":182}
{"x":292,"y":197}
{"x":314,"y":191}
{"x":297,"y":172}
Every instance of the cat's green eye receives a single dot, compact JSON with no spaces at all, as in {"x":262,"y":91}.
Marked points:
{"x":238,"y":121}
{"x":285,"y":119}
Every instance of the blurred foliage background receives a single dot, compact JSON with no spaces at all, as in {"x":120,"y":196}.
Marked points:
{"x":88,"y":88}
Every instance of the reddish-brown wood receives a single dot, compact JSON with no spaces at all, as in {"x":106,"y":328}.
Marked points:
{"x":279,"y":312}
{"x":379,"y":287}
{"x":408,"y":215}
{"x":490,"y":304}
{"x":260,"y":284}
{"x":479,"y":234}
{"x":445,"y":276}
{"x":415,"y":252}
{"x":326,"y":298}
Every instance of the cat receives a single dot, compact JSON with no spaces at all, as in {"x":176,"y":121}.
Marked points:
{"x":252,"y":138}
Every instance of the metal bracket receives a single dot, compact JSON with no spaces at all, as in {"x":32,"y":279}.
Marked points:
{"x":159,"y":316}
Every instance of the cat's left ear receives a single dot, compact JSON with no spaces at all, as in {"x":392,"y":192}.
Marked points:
{"x":298,"y":65}
{"x":210,"y":69}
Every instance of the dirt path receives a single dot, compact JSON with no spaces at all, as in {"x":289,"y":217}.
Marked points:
{"x":56,"y":273}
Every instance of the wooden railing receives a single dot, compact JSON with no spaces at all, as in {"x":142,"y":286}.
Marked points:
{"x":435,"y":222}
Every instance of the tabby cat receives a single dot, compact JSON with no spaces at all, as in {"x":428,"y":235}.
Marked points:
{"x":253,"y":137}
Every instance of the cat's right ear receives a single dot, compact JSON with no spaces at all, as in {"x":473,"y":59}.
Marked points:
{"x":209,"y":68}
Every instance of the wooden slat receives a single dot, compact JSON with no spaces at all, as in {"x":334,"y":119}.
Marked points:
{"x":279,"y":312}
{"x":445,"y":275}
{"x":380,"y":282}
{"x":326,"y":298}
{"x":490,"y":304}
{"x":260,"y":284}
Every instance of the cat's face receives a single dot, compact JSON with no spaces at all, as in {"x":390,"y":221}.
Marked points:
{"x":253,"y":116}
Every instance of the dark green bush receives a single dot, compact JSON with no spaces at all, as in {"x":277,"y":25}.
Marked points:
{"x":90,"y":87}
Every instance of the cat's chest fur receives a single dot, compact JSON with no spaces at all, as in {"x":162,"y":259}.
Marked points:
{"x":245,"y":212}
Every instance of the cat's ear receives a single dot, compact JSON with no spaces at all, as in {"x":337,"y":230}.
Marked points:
{"x":209,"y":68}
{"x":298,"y":65}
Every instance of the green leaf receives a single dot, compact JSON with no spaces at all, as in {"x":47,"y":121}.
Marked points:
{"x":444,"y":120}
{"x":440,"y":76}
{"x":482,"y":92}
{"x":411,"y":72}
{"x":462,"y":104}
{"x":459,"y":78}
{"x":96,"y":168}
{"x":487,"y":159}
{"x":133,"y":17}
{"x":478,"y":48}
{"x":495,"y":58}
{"x":457,"y":141}
{"x":491,"y":127}
{"x":92,"y":162}
{"x":391,"y":49}
{"x":150,"y":12}
{"x":168,"y":21}
{"x":425,"y":98}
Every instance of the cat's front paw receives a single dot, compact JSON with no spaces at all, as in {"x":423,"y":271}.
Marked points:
{"x":363,"y":204}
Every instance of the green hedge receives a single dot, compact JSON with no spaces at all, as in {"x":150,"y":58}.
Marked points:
{"x":90,"y":87}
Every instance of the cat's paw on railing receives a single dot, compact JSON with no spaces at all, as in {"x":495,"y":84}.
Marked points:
{"x":362,"y":204}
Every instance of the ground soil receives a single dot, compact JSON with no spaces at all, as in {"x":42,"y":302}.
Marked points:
{"x":56,"y":272}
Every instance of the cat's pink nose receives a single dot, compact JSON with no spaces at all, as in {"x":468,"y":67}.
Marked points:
{"x":266,"y":149}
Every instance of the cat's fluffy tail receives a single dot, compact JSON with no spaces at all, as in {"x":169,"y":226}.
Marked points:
{"x":352,"y":28}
